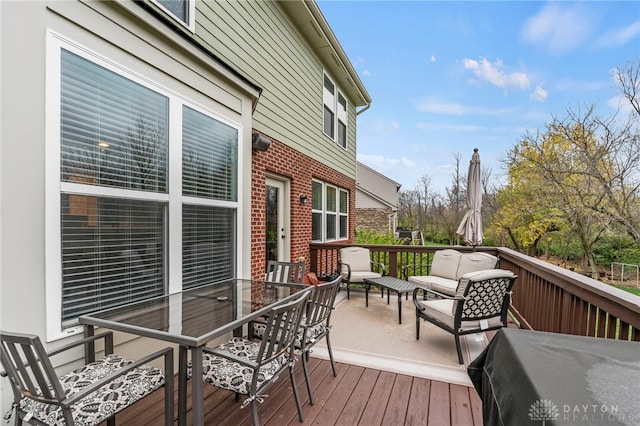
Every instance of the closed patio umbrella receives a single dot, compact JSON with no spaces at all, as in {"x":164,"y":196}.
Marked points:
{"x":471,"y":226}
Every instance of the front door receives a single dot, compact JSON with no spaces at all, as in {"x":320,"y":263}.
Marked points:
{"x":277,"y":223}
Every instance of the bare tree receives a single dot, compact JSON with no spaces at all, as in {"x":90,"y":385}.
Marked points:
{"x":628,"y":79}
{"x":407,"y":205}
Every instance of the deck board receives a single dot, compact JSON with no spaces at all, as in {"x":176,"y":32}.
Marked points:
{"x":357,"y":396}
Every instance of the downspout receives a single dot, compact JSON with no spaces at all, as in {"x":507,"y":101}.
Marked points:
{"x":363,"y":109}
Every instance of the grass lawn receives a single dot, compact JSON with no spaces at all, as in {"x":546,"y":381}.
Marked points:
{"x":632,"y":290}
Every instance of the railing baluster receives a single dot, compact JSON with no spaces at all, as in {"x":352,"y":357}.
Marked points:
{"x":547,"y":297}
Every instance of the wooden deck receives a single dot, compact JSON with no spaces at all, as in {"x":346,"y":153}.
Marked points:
{"x":357,"y":396}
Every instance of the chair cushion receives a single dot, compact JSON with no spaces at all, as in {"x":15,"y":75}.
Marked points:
{"x":480,"y":276}
{"x":441,"y":310}
{"x":357,"y":258}
{"x":442,"y":285}
{"x":445,"y":263}
{"x":104,"y":402}
{"x":233,"y":376}
{"x":358,"y":277}
{"x":472,"y":262}
{"x":312,"y":333}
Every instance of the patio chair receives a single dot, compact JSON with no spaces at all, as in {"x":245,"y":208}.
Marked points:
{"x":480,"y":304}
{"x":315,"y":325}
{"x":249,"y":368}
{"x":86,"y":396}
{"x":285,"y":272}
{"x":355,"y":265}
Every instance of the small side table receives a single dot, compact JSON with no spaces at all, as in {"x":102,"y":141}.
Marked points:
{"x":390,"y":283}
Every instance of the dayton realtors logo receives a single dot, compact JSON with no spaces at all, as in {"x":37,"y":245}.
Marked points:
{"x":543,"y":409}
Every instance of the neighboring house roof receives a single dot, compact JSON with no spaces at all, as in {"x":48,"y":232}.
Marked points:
{"x":374,"y":197}
{"x":313,"y":25}
{"x":376,"y":187}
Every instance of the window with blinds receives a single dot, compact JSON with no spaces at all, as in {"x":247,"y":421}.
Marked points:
{"x":114,"y":133}
{"x":112,"y":252}
{"x":208,"y":235}
{"x":209,"y":172}
{"x":114,"y":190}
{"x":209,"y":157}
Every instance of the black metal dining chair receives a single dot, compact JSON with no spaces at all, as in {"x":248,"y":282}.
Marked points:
{"x":314,"y":327}
{"x":285,"y":272}
{"x":86,"y":396}
{"x":247,"y":367}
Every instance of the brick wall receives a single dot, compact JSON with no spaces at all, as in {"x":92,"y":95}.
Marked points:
{"x":373,"y":219}
{"x":284,"y":161}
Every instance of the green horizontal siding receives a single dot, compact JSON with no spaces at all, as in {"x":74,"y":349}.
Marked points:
{"x":258,"y":40}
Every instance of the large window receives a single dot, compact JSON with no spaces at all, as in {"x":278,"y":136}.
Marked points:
{"x":121,"y":198}
{"x":334,"y":119}
{"x":330,"y":216}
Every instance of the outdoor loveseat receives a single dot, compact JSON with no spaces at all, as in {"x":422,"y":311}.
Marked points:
{"x":448,"y":267}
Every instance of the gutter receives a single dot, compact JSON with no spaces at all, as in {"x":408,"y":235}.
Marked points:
{"x":363,"y":109}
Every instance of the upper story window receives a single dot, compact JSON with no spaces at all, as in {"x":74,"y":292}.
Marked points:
{"x":182,"y":10}
{"x":330,"y":216}
{"x":134,"y":170}
{"x":334,"y":118}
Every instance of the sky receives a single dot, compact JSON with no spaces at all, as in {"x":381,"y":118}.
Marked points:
{"x":446,"y":77}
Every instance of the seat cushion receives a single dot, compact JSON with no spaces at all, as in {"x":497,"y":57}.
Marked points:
{"x":107,"y":400}
{"x":312,"y":333}
{"x":233,"y":376}
{"x":441,"y":309}
{"x":445,"y":264}
{"x":472,"y":262}
{"x":360,"y":276}
{"x":439,"y":284}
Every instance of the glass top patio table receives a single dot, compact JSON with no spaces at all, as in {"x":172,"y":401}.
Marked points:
{"x":191,"y":319}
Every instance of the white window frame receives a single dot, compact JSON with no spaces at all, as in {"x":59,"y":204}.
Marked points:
{"x":340,"y":114}
{"x":54,"y":186}
{"x":338,"y":214}
{"x":191,"y":13}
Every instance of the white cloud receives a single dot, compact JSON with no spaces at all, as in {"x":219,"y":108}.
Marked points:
{"x":620,"y":36}
{"x":461,"y":128}
{"x":494,"y":73}
{"x":380,"y":126}
{"x":539,"y":94}
{"x":468,"y":128}
{"x":620,"y":103}
{"x":433,"y":58}
{"x":441,"y":107}
{"x":382,"y":164}
{"x":452,"y":108}
{"x":366,"y":72}
{"x":559,"y":28}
